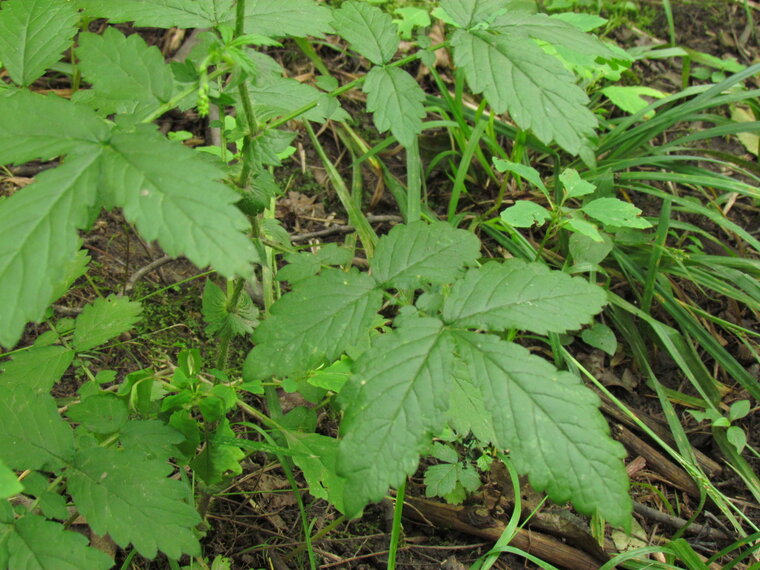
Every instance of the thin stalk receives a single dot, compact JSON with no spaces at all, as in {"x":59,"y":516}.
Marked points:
{"x":464,"y":166}
{"x":398,"y":509}
{"x":654,"y":260}
{"x":413,"y":182}
{"x":231,"y":308}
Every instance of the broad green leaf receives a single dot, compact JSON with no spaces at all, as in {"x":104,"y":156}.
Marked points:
{"x":585,"y":250}
{"x":101,"y":413}
{"x":9,"y":484}
{"x":44,"y":127}
{"x":467,"y":13}
{"x":574,"y":185}
{"x":275,"y":18}
{"x":127,"y":75}
{"x":220,"y":319}
{"x":521,"y":295}
{"x":277,"y":96}
{"x":332,"y":377}
{"x":130,"y":497}
{"x":524,"y":214}
{"x":368,"y":29}
{"x":173,"y":195}
{"x":440,"y":480}
{"x":600,"y":336}
{"x":314,"y":324}
{"x":104,"y":319}
{"x":585,"y":228}
{"x":162,"y":13}
{"x":152,"y":438}
{"x":415,"y":253}
{"x":33,"y":436}
{"x":73,"y":269}
{"x":33,"y":35}
{"x":528,"y":172}
{"x":615,"y":212}
{"x":467,"y":412}
{"x":551,"y":424}
{"x":38,"y":544}
{"x":411,"y":17}
{"x":39,"y":237}
{"x":38,"y":368}
{"x":517,"y":76}
{"x":396,"y":398}
{"x":630,"y":98}
{"x":218,"y":460}
{"x":315,"y":455}
{"x":395,"y":100}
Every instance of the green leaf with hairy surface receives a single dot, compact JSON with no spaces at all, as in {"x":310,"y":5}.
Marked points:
{"x":223,"y":321}
{"x":277,"y":96}
{"x":173,"y":195}
{"x":218,"y":461}
{"x":9,"y":484}
{"x":552,"y":426}
{"x":395,"y":100}
{"x":162,"y":13}
{"x":395,"y":400}
{"x":33,"y":543}
{"x":412,"y":254}
{"x":33,"y":35}
{"x":615,"y":212}
{"x":368,"y":29}
{"x":521,"y":295}
{"x":467,"y":412}
{"x":314,"y":324}
{"x":127,"y":75}
{"x":101,"y":413}
{"x":524,"y":214}
{"x":104,"y":319}
{"x":275,"y":18}
{"x":130,"y":497}
{"x":38,"y":368}
{"x":518,"y":77}
{"x":467,"y":13}
{"x":40,"y":224}
{"x":33,"y":436}
{"x":153,"y":438}
{"x":315,"y":455}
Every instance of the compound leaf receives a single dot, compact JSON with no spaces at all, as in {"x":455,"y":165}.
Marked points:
{"x":34,"y":543}
{"x":517,"y":76}
{"x":395,"y":100}
{"x":397,"y":396}
{"x":104,"y":319}
{"x":38,"y":368}
{"x":130,"y":497}
{"x":100,"y":413}
{"x":551,"y":424}
{"x":467,"y":13}
{"x":521,"y":295}
{"x":39,"y":238}
{"x":152,"y":438}
{"x":275,"y":18}
{"x":162,"y":13}
{"x":33,"y":436}
{"x":223,"y":320}
{"x":127,"y":75}
{"x":173,"y":195}
{"x":368,"y":29}
{"x":314,"y":324}
{"x":33,"y":35}
{"x":412,"y":254}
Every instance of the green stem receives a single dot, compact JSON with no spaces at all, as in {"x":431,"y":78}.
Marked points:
{"x":398,"y":509}
{"x":413,"y":182}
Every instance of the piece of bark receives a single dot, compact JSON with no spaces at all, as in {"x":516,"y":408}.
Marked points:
{"x":470,"y":521}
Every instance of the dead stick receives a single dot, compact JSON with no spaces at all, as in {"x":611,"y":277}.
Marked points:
{"x":678,"y":522}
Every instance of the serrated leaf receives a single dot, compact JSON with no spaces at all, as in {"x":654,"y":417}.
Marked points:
{"x":467,"y":13}
{"x":315,"y":455}
{"x":9,"y":484}
{"x":368,"y":29}
{"x":395,"y":100}
{"x":275,"y":18}
{"x":38,"y":544}
{"x":39,"y":237}
{"x":277,"y":96}
{"x":44,"y":127}
{"x":467,"y":411}
{"x":524,"y":214}
{"x":314,"y":324}
{"x":517,"y":76}
{"x":162,"y":13}
{"x":615,"y":212}
{"x":440,"y":480}
{"x":37,"y":368}
{"x":128,"y":496}
{"x":127,"y":75}
{"x":412,"y":254}
{"x":101,"y":413}
{"x":521,"y":295}
{"x":152,"y":438}
{"x":173,"y":195}
{"x":33,"y":436}
{"x":33,"y":35}
{"x":104,"y":319}
{"x":218,"y":460}
{"x":333,"y":377}
{"x":397,"y":396}
{"x":220,"y":319}
{"x":552,"y":426}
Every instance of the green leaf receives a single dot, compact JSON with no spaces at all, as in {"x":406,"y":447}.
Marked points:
{"x":440,"y":480}
{"x":223,"y":322}
{"x":395,"y":100}
{"x":315,"y":455}
{"x":552,"y":426}
{"x":521,"y":295}
{"x":615,"y":212}
{"x":275,"y":18}
{"x":467,"y":13}
{"x":396,"y":398}
{"x":172,"y":195}
{"x":39,"y":237}
{"x":9,"y":484}
{"x":368,"y":29}
{"x":33,"y":436}
{"x":101,"y":413}
{"x":467,"y":411}
{"x":412,"y":254}
{"x":333,"y":377}
{"x":314,"y":324}
{"x":529,"y":173}
{"x":162,"y":13}
{"x":127,"y":75}
{"x":104,"y":319}
{"x":600,"y":336}
{"x":574,"y":185}
{"x":585,"y":250}
{"x":411,"y":17}
{"x":152,"y":438}
{"x":37,"y":368}
{"x":524,"y":214}
{"x":128,"y":496}
{"x":517,"y":76}
{"x":585,"y":228}
{"x":630,"y":98}
{"x":278,"y":96}
{"x":33,"y":35}
{"x":218,"y":461}
{"x":38,"y":544}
